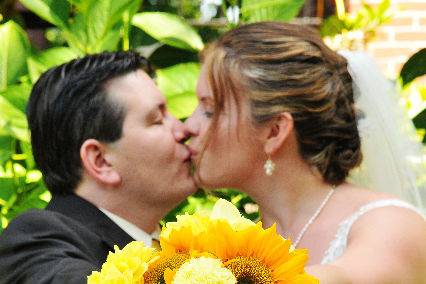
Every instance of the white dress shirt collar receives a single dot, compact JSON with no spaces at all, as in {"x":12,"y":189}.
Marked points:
{"x":131,"y":229}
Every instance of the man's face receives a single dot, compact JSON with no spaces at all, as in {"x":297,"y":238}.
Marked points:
{"x":153,"y":163}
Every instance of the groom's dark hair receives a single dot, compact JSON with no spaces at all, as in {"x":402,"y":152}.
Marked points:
{"x":70,"y":104}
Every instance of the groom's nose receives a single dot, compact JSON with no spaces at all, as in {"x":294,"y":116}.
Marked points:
{"x":179,"y":131}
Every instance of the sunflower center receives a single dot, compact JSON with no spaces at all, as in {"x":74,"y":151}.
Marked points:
{"x":249,"y":270}
{"x":155,"y":275}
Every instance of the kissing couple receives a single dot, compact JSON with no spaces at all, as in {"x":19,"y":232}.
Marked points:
{"x":280,"y":117}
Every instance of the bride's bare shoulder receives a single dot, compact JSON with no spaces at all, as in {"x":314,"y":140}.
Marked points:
{"x":351,"y":198}
{"x":396,"y":233}
{"x":359,"y":196}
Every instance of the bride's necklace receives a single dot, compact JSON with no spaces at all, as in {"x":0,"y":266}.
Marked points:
{"x":312,"y":219}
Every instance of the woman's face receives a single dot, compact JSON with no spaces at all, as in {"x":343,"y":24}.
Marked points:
{"x":233,"y":154}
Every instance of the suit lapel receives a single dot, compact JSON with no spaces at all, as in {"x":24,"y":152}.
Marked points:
{"x":91,"y":217}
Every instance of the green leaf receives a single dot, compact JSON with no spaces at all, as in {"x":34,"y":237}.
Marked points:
{"x":18,"y":95}
{"x":178,"y":84}
{"x":332,"y":26}
{"x":54,"y":11}
{"x":169,"y":29}
{"x":420,"y":120}
{"x":28,"y":199}
{"x":414,"y":67}
{"x":14,"y":49}
{"x":33,"y":176}
{"x":40,"y":62}
{"x":29,"y":158}
{"x":13,"y":121}
{"x":98,"y":28}
{"x":183,"y":105}
{"x":7,"y":189}
{"x":80,"y":5}
{"x":270,"y":10}
{"x":6,"y":149}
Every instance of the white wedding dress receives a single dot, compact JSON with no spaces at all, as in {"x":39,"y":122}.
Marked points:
{"x":392,"y":158}
{"x":339,"y":243}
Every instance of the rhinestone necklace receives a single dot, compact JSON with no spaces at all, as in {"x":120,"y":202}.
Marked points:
{"x":312,"y":219}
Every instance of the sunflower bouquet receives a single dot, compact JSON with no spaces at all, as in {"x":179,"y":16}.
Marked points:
{"x":222,"y":247}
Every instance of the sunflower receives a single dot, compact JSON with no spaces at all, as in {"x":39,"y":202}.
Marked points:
{"x":166,"y":261}
{"x":253,"y":254}
{"x":169,"y":261}
{"x":209,"y":247}
{"x":256,"y":255}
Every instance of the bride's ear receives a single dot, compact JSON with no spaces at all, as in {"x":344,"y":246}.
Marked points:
{"x":279,"y":130}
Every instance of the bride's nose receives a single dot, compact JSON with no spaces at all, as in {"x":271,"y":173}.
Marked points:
{"x":191,"y":125}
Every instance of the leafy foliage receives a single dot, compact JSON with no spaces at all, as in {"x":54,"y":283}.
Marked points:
{"x":416,"y":67}
{"x":178,"y":33}
{"x":352,"y":29}
{"x":272,"y":10}
{"x":14,"y":49}
{"x":178,"y":84}
{"x":420,"y":122}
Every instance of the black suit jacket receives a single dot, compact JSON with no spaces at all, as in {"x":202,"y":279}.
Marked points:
{"x":62,"y":244}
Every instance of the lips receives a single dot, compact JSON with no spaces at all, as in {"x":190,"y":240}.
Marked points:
{"x":192,"y":152}
{"x":187,"y":156}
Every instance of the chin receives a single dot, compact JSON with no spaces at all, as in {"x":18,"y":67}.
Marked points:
{"x":189,"y":188}
{"x":214,"y":186}
{"x":209,"y":183}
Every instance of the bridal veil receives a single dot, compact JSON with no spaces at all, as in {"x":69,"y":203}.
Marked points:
{"x":393,"y":161}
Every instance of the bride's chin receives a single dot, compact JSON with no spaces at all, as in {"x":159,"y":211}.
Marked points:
{"x":197,"y":180}
{"x":203,"y":183}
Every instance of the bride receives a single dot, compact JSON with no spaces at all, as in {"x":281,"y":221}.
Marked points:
{"x":277,"y":120}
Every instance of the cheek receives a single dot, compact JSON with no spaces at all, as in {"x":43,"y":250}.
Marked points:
{"x":152,"y":147}
{"x":203,"y":128}
{"x":230,"y":157}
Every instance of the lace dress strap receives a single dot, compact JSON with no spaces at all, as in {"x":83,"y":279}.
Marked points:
{"x":339,"y":243}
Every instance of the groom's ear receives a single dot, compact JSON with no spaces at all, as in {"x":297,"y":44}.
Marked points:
{"x":279,"y":129}
{"x":96,"y":165}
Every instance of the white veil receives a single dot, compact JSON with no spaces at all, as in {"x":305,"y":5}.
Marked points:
{"x":392,"y":156}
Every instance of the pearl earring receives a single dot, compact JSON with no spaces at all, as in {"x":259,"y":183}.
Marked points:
{"x":269,"y":167}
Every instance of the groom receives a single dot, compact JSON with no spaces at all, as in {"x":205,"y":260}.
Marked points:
{"x":112,"y":157}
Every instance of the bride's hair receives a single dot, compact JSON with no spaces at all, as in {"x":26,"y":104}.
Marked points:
{"x":281,"y":67}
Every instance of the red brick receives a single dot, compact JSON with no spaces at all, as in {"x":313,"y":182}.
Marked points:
{"x":391,"y":52}
{"x":381,"y":36}
{"x":414,"y":6}
{"x":411,"y":36}
{"x":400,"y":21}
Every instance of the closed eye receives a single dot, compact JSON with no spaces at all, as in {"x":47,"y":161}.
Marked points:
{"x":208,"y":114}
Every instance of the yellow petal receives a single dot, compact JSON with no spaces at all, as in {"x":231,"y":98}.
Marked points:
{"x":169,"y":275}
{"x":225,"y":210}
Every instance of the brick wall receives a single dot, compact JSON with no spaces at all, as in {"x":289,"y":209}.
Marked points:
{"x":401,"y":37}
